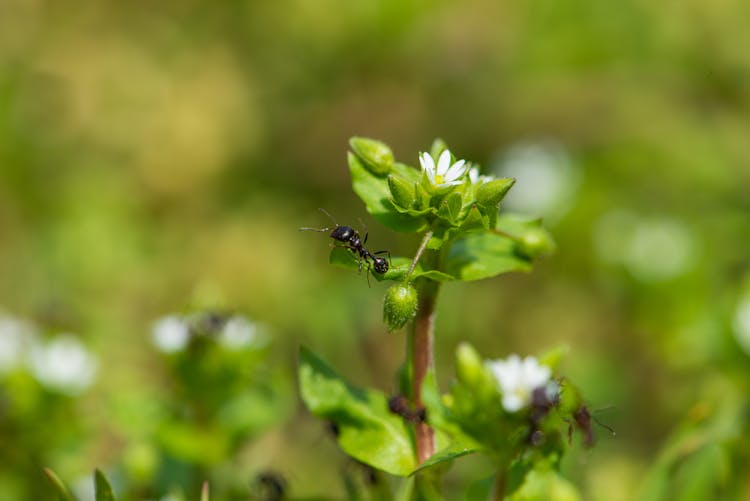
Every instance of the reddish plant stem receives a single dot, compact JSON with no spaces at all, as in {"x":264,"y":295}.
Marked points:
{"x":422,"y":362}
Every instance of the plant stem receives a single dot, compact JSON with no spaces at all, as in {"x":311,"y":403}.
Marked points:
{"x":423,"y":361}
{"x":422,"y":247}
{"x":498,"y":488}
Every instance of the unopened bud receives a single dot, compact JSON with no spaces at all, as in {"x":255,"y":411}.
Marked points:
{"x":376,"y":155}
{"x":400,"y":306}
{"x":536,"y":242}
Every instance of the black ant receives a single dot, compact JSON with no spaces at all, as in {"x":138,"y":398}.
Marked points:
{"x":352,"y":241}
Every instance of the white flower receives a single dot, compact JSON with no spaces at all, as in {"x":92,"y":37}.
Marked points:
{"x":476,"y":178}
{"x":239,"y":333}
{"x":63,"y":364}
{"x":170,"y":334}
{"x":15,"y":338}
{"x":444,"y":174}
{"x":517,"y":379}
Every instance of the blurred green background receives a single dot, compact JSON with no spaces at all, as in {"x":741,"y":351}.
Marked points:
{"x":158,"y":158}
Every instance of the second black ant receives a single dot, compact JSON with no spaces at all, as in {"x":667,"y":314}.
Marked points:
{"x":351,"y":239}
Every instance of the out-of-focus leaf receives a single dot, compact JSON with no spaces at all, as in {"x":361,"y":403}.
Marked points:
{"x":453,"y":451}
{"x":542,"y":483}
{"x":376,"y":194}
{"x":62,"y":491}
{"x":368,"y":431}
{"x":102,"y":488}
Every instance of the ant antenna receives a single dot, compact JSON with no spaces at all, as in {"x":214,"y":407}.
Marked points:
{"x":606,"y":427}
{"x":321,"y":209}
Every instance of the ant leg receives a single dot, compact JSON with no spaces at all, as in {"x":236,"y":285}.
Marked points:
{"x":315,"y":229}
{"x":364,"y":227}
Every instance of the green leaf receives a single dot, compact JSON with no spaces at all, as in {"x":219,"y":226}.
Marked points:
{"x":376,"y":194}
{"x":543,"y":483}
{"x":376,"y":155}
{"x":484,"y":255}
{"x":62,"y":492}
{"x":102,"y":488}
{"x":402,"y":192}
{"x":345,"y":258}
{"x":453,"y":451}
{"x":368,"y":431}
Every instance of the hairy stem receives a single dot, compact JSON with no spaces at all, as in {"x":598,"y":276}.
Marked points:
{"x":420,"y":251}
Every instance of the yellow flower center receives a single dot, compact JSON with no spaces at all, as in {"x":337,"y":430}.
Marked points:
{"x":439,"y":179}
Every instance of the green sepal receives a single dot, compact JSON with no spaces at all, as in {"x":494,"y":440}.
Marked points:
{"x":490,"y":194}
{"x":402,"y":192}
{"x":475,"y":220}
{"x":376,"y":194}
{"x":450,"y":208}
{"x":376,"y":155}
{"x":367,"y":430}
{"x":103,"y":491}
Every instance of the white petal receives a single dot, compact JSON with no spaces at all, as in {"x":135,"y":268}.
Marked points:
{"x":444,"y":162}
{"x":512,"y":402}
{"x":427,"y":163}
{"x":456,"y":171}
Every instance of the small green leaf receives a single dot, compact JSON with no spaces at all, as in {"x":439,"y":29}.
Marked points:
{"x":484,"y":255}
{"x":368,"y":431}
{"x":376,"y":155}
{"x":450,"y":207}
{"x":376,"y":194}
{"x":491,"y":193}
{"x":62,"y":492}
{"x":102,"y":488}
{"x":453,"y":451}
{"x":402,"y":192}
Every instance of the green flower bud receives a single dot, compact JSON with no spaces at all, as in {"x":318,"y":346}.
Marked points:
{"x":400,"y":306}
{"x":491,"y":193}
{"x":377,"y":156}
{"x":536,"y":242}
{"x":469,"y":365}
{"x":401,"y":191}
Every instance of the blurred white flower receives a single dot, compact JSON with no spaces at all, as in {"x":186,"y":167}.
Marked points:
{"x":653,"y":249}
{"x":15,"y":338}
{"x":63,"y":364}
{"x":517,"y":379}
{"x":477,"y":178}
{"x":546,"y":179}
{"x":170,"y":334}
{"x":443,"y":174}
{"x":239,"y":333}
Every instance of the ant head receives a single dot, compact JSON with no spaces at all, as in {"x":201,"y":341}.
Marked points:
{"x":380,"y":264}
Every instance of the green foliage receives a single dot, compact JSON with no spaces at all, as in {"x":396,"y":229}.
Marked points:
{"x":103,"y":491}
{"x":60,"y":489}
{"x":366,"y":429}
